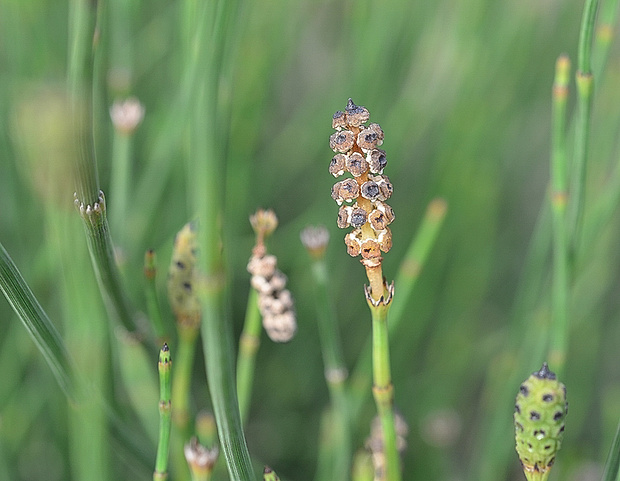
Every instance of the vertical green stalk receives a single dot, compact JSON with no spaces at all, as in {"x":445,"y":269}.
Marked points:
{"x":82,"y":20}
{"x":612,"y":465}
{"x":136,"y":372}
{"x":335,"y":372}
{"x":152,"y":302}
{"x":87,"y":336}
{"x":382,"y":389}
{"x":36,"y":322}
{"x":120,"y":182}
{"x":559,"y":197}
{"x":248,"y":347}
{"x":181,"y":388}
{"x":206,"y":166}
{"x":88,"y":198}
{"x":585,"y":89}
{"x":165,"y":411}
{"x":406,"y":279}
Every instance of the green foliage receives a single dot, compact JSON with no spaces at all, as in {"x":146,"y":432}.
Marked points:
{"x":462,"y":90}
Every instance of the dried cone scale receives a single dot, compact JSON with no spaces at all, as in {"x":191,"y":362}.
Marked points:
{"x":540,"y":410}
{"x":361,"y":196}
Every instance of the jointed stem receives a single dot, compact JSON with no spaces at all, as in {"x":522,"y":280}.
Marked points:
{"x":383,"y":389}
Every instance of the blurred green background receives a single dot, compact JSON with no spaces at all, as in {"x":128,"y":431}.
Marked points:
{"x":462,"y":90}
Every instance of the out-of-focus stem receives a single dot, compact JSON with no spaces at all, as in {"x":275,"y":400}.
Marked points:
{"x":335,"y":371}
{"x":152,"y":302}
{"x":248,"y":346}
{"x":559,"y":197}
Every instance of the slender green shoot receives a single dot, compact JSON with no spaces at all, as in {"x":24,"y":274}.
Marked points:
{"x":152,"y":301}
{"x":206,"y":165}
{"x":36,"y":322}
{"x":136,"y":370}
{"x":165,"y":414}
{"x":406,"y":279}
{"x":82,"y":21}
{"x":559,"y":198}
{"x":382,"y":389}
{"x":89,"y":199}
{"x":612,"y":465}
{"x":248,"y":347}
{"x":585,"y":91}
{"x":315,"y":240}
{"x":126,"y":116}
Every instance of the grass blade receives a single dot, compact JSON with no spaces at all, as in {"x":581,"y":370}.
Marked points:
{"x":36,"y":322}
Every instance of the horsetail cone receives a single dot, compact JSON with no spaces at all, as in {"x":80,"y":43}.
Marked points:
{"x":540,"y":409}
{"x":363,"y":194}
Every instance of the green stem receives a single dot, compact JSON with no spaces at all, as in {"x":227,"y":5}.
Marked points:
{"x":165,"y":411}
{"x":88,"y":198}
{"x":406,"y":279}
{"x":248,"y":347}
{"x":82,"y":20}
{"x":335,"y":373}
{"x":152,"y":302}
{"x":559,"y":196}
{"x":120,"y":183}
{"x":206,"y":168}
{"x":382,"y":389}
{"x":181,"y":388}
{"x":585,"y":88}
{"x":612,"y":465}
{"x":218,"y":349}
{"x":102,"y":259}
{"x":36,"y":322}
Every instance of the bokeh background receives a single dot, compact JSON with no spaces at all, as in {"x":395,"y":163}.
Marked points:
{"x":462,"y":90}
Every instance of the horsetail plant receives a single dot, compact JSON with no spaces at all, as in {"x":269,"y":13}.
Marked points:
{"x":182,"y":280}
{"x":165,"y":414}
{"x":315,"y":240}
{"x":540,"y":410}
{"x":152,"y":298}
{"x":126,"y":116}
{"x":269,"y":300}
{"x":362,"y":198}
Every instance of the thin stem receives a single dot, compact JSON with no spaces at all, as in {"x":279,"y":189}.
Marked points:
{"x":120,"y":183}
{"x":559,"y":196}
{"x":165,"y":410}
{"x":585,"y":88}
{"x":136,"y":369}
{"x":407,"y":277}
{"x":383,"y":390}
{"x":152,"y":302}
{"x":82,"y":20}
{"x":88,"y":198}
{"x":206,"y":164}
{"x":102,"y":259}
{"x":36,"y":322}
{"x":335,"y":371}
{"x":612,"y":464}
{"x":248,"y":347}
{"x":181,"y":388}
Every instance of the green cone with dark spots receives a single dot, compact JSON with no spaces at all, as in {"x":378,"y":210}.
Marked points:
{"x":540,"y":410}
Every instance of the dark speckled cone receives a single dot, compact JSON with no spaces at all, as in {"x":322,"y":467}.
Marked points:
{"x":540,"y":411}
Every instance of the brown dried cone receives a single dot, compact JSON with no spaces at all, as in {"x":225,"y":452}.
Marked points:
{"x":362,"y":196}
{"x":275,"y":302}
